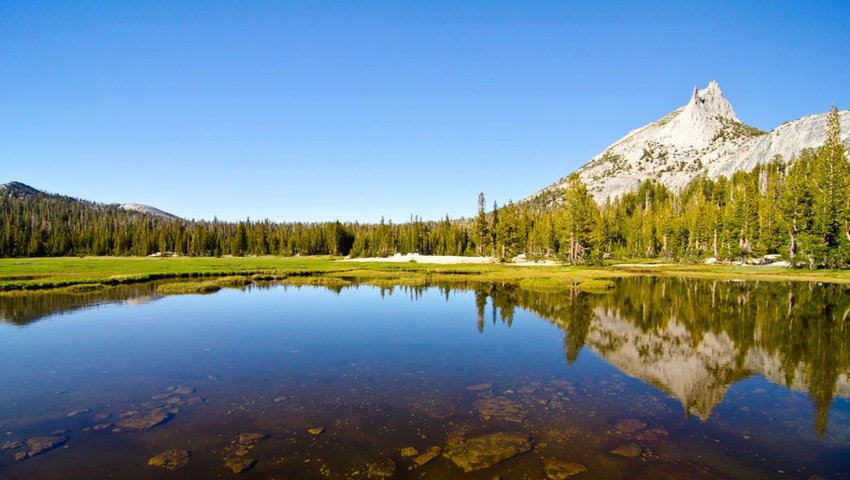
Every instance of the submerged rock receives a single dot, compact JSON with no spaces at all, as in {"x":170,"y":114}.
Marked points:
{"x":557,"y":469}
{"x":170,"y":459}
{"x":629,"y":426}
{"x":500,"y":407}
{"x":382,"y":468}
{"x":487,"y":450}
{"x":426,"y":457}
{"x":81,"y":411}
{"x":628,"y":450}
{"x":12,"y":445}
{"x":183,"y":390}
{"x":39,"y":445}
{"x":528,"y":389}
{"x":251,"y":438}
{"x":239,"y":465}
{"x":408,"y":452}
{"x":145,"y":421}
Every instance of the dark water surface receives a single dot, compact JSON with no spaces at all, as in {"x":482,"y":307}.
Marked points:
{"x":691,"y":379}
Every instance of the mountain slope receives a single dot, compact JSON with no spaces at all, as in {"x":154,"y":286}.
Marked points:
{"x":141,"y":208}
{"x":703,"y":137}
{"x":21,"y":190}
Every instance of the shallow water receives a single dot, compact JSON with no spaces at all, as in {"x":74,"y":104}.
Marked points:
{"x":706,"y":379}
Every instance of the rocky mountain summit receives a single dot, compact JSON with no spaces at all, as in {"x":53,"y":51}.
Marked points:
{"x":703,"y":137}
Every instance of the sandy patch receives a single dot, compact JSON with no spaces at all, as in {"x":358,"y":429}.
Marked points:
{"x":415,"y":257}
{"x":452,"y":259}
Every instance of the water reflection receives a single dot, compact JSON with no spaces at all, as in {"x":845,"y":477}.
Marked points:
{"x":24,"y":308}
{"x":692,"y":339}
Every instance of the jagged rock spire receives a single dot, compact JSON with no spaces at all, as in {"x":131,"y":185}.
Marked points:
{"x":703,"y":137}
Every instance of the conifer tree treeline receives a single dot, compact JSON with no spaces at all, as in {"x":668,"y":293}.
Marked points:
{"x":798,"y":209}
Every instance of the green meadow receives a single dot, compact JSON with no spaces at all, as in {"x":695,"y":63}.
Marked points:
{"x":206,"y":274}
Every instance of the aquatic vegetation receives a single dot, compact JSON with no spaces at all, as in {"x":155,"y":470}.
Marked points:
{"x":544,"y":284}
{"x":187,"y":288}
{"x":596,"y":286}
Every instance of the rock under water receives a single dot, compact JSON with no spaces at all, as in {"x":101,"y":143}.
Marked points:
{"x":487,"y":450}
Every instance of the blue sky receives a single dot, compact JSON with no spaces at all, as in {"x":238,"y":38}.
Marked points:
{"x":357,"y":110}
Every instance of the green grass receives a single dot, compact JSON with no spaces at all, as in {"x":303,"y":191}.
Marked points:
{"x":544,"y":285}
{"x":596,"y":285}
{"x":187,"y":288}
{"x":89,"y":273}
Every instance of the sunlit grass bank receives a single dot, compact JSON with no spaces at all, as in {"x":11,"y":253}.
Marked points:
{"x":88,"y":273}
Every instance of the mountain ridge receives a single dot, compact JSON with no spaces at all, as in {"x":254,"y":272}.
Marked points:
{"x":703,"y":137}
{"x":21,"y":190}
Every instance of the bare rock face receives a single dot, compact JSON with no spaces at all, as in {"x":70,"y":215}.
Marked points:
{"x":484,"y":451}
{"x":704,"y":136}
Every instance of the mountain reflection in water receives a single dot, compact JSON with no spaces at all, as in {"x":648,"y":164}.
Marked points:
{"x":694,"y":339}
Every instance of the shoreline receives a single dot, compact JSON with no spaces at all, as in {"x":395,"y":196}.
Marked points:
{"x":18,"y":275}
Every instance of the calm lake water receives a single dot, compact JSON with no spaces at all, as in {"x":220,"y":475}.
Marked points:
{"x":683,"y":378}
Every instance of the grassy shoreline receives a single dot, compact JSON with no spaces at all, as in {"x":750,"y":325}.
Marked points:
{"x":40,"y":274}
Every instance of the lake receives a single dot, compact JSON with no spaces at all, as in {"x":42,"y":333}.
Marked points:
{"x":659,"y":378}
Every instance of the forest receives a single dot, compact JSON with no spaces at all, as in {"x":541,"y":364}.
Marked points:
{"x":797,"y":209}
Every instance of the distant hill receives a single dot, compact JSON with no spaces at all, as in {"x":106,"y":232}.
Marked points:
{"x":22,"y":190}
{"x":138,"y":207}
{"x":704,"y":137}
{"x":18,"y":189}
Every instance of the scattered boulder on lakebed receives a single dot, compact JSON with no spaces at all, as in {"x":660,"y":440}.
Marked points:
{"x":628,"y":450}
{"x":426,"y":456}
{"x":484,"y":451}
{"x":12,"y":445}
{"x":239,"y":465}
{"x":557,"y":469}
{"x":144,"y":421}
{"x":170,"y":459}
{"x":629,"y":426}
{"x":39,"y":445}
{"x":383,"y":468}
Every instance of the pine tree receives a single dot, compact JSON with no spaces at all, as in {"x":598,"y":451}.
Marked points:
{"x":240,"y":240}
{"x":481,"y":230}
{"x":577,"y":220}
{"x":796,"y":203}
{"x":831,"y":193}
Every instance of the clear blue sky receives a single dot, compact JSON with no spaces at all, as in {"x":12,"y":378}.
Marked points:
{"x":354,"y":110}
